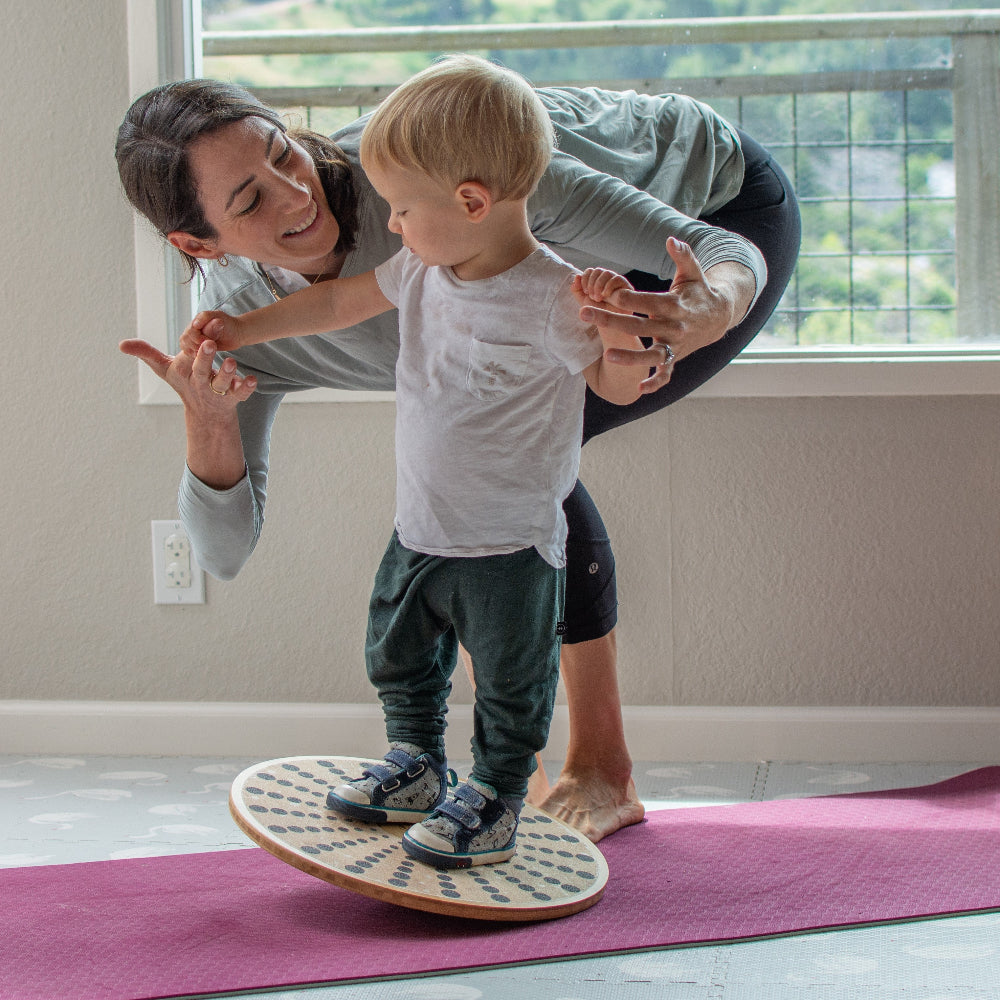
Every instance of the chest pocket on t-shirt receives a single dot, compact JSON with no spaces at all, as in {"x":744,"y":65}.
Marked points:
{"x":495,"y":370}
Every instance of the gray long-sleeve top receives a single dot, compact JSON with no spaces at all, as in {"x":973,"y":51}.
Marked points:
{"x":630,"y":170}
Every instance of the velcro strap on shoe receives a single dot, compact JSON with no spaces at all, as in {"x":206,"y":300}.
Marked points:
{"x":400,"y":758}
{"x":465,"y":807}
{"x":378,"y":771}
{"x":458,"y":811}
{"x":466,"y":793}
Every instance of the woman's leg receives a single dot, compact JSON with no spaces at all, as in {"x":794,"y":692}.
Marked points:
{"x":595,"y":792}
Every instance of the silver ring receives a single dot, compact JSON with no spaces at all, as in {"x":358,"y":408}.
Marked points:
{"x":668,"y":354}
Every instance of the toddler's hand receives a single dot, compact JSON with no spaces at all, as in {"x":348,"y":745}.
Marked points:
{"x":597,"y":286}
{"x":216,"y":326}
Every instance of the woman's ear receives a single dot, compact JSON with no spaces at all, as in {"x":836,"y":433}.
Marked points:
{"x":475,"y":199}
{"x":193,"y":246}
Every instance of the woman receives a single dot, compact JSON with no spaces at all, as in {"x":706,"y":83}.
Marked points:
{"x":265,"y":212}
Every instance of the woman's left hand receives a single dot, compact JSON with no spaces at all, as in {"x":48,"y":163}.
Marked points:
{"x":693,"y":313}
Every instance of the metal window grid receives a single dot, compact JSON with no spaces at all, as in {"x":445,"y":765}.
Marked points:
{"x":974,"y":228}
{"x":794,"y":310}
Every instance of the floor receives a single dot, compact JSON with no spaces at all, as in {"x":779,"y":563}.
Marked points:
{"x":58,"y":810}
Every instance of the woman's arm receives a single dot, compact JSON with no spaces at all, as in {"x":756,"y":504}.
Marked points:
{"x":225,"y":525}
{"x":594,"y":219}
{"x":220,"y":502}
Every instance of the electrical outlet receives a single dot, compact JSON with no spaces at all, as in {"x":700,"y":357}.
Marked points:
{"x":177,"y":577}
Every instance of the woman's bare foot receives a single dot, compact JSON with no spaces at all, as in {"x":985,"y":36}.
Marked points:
{"x":591,"y":803}
{"x":595,"y":793}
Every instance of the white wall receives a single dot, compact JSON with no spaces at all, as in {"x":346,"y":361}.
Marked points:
{"x":779,"y":552}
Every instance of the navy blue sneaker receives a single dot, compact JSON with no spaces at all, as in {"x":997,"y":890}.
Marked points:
{"x":473,"y":827}
{"x":406,"y":788}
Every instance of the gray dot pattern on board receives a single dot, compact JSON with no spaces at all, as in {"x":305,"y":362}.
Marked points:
{"x":287,"y":799}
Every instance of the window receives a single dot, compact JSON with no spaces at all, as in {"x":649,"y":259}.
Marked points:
{"x":885,"y":123}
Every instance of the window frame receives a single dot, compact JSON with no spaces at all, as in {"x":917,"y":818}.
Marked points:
{"x":161,"y":47}
{"x":165,"y":45}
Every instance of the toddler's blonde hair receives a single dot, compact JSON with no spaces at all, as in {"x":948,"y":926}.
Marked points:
{"x":464,"y":119}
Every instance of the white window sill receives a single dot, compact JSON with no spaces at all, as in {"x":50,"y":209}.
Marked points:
{"x":931,"y":372}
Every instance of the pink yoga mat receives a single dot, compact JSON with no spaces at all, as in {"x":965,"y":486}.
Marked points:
{"x":241,"y":920}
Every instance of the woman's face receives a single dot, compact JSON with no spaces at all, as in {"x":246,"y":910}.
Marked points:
{"x":261,"y":193}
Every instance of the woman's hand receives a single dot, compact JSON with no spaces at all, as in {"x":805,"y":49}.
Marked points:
{"x":193,"y":377}
{"x":210,"y":397}
{"x":691,"y":315}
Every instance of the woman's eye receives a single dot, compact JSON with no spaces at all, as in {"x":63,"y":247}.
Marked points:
{"x":253,"y":204}
{"x":284,"y":154}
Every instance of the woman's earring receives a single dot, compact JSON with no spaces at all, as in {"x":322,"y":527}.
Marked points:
{"x":223,"y":261}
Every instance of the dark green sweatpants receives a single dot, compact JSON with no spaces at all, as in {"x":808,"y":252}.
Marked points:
{"x":506,"y":610}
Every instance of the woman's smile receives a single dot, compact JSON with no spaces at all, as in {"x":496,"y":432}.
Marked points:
{"x":307,"y":222}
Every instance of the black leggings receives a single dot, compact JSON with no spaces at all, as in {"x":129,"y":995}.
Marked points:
{"x":766,"y":213}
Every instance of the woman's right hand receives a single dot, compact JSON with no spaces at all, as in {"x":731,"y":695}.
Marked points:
{"x":210,"y":397}
{"x":193,"y":377}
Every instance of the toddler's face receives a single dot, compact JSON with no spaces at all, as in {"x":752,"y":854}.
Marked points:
{"x":430,"y":217}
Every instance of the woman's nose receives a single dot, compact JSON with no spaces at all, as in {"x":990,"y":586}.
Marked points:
{"x":297,"y":194}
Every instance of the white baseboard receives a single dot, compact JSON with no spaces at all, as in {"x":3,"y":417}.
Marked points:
{"x":261,"y":731}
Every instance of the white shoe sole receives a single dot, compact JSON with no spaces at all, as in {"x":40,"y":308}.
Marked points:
{"x":350,"y":802}
{"x":433,"y":850}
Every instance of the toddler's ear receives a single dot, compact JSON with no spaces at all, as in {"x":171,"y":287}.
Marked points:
{"x":475,"y":199}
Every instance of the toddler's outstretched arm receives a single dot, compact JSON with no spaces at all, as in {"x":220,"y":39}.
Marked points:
{"x":331,"y":305}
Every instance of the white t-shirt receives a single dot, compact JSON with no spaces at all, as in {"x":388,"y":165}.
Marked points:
{"x":489,"y":405}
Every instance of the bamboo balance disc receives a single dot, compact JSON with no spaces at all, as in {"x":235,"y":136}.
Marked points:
{"x":281,"y":805}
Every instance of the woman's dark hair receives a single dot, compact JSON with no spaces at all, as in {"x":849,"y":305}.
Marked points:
{"x":154,"y":166}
